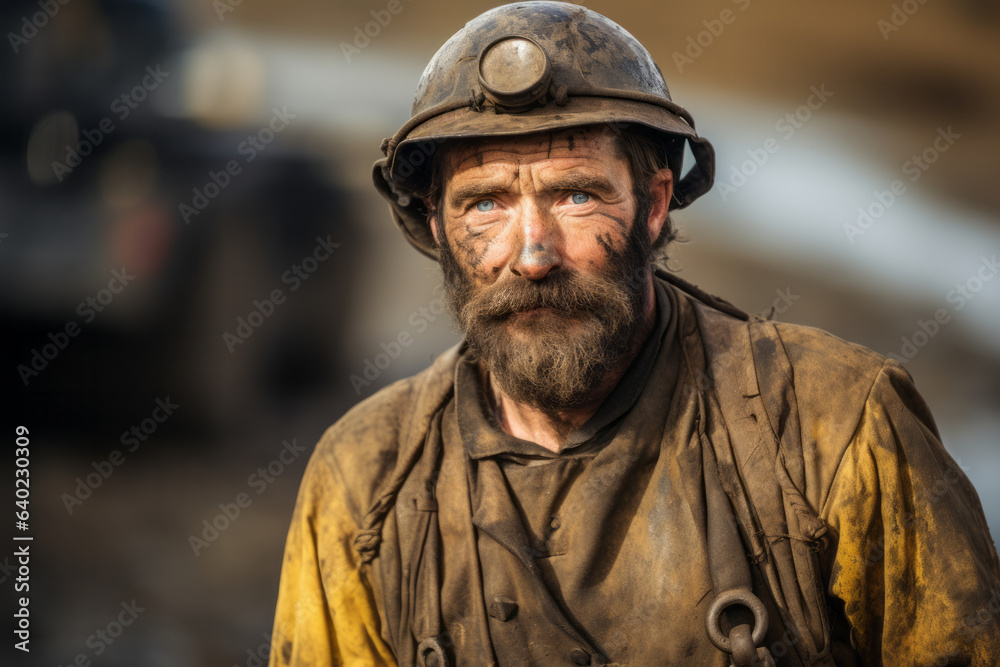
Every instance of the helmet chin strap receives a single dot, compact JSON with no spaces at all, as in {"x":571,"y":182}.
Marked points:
{"x":700,"y":178}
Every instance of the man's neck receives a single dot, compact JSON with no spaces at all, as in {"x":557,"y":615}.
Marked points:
{"x":551,"y":430}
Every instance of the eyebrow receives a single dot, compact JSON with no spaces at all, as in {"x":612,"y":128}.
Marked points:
{"x":585,"y":182}
{"x":563,"y":182}
{"x":470,"y":191}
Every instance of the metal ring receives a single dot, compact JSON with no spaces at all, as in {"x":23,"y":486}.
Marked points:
{"x":430,"y":653}
{"x":735,"y":596}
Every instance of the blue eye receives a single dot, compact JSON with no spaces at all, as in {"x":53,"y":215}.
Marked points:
{"x":579,"y":198}
{"x":485,"y":206}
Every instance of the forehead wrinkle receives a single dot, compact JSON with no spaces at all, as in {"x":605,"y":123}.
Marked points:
{"x":567,"y":141}
{"x":495,"y":165}
{"x":496,"y":152}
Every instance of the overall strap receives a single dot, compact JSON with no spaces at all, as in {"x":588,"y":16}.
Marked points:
{"x":757,"y":453}
{"x":410,"y":571}
{"x":761,"y":467}
{"x":805,"y":529}
{"x":737,"y":620}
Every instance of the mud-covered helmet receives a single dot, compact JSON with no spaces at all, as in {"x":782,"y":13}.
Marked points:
{"x":532,"y":67}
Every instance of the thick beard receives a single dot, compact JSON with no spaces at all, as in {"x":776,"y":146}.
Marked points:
{"x":554,"y":360}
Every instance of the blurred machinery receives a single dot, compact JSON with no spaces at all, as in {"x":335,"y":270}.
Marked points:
{"x":120,"y":214}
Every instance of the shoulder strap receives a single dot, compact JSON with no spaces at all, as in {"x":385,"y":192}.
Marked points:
{"x":432,"y":388}
{"x":761,"y":468}
{"x":409,"y":571}
{"x":801,"y":577}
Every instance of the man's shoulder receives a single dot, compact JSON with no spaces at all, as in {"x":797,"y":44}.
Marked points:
{"x":837,"y":385}
{"x":817,"y":358}
{"x":821,"y":359}
{"x":826,"y":381}
{"x":832,"y":380}
{"x":362,"y":447}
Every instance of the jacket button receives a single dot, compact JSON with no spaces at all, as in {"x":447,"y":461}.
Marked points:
{"x":555,"y":523}
{"x":503,"y":609}
{"x":579,"y":656}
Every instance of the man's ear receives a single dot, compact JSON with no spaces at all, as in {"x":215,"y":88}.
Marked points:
{"x":661,"y":189}
{"x":432,"y":220}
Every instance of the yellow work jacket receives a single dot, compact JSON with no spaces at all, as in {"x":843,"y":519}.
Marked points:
{"x":421,"y":527}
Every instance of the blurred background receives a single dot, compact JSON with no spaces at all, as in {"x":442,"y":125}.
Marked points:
{"x":197,"y":278}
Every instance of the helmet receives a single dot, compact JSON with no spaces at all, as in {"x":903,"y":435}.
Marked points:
{"x":532,"y":67}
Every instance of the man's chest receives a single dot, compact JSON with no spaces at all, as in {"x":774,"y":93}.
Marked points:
{"x":584,"y":560}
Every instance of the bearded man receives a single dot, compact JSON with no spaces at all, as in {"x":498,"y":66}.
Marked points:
{"x":614,"y":468}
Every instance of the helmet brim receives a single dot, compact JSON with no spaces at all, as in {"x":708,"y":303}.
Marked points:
{"x":466,"y":123}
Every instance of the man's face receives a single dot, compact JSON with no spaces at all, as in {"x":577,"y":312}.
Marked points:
{"x":545,"y":256}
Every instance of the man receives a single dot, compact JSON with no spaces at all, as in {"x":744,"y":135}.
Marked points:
{"x":614,"y":468}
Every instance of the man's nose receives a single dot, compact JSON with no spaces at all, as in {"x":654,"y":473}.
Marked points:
{"x":538,"y":252}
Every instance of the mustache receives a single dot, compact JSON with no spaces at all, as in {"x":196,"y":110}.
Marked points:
{"x":566,"y":291}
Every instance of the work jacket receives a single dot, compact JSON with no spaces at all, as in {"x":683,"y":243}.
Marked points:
{"x":424,"y":534}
